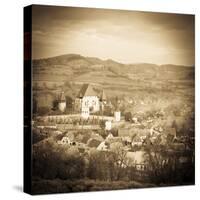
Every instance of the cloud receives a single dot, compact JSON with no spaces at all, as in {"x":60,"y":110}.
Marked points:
{"x":126,"y":36}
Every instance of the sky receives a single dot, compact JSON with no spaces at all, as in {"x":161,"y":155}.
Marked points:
{"x":124,"y":36}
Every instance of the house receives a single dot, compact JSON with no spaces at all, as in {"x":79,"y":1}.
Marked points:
{"x":96,"y":136}
{"x":79,"y":138}
{"x":137,"y":141}
{"x":73,"y":151}
{"x":147,"y":141}
{"x":137,"y":160}
{"x":110,"y":135}
{"x":154,"y":130}
{"x":128,"y":100}
{"x":57,"y":132}
{"x":114,"y":139}
{"x":103,"y":146}
{"x":171,"y":134}
{"x":64,"y":140}
{"x":93,"y":143}
{"x":127,"y":139}
{"x":85,"y":138}
{"x":135,"y":120}
{"x":163,"y":139}
{"x":70,"y":135}
{"x":123,"y":132}
{"x":81,"y":150}
{"x":178,"y":146}
{"x":89,"y":100}
{"x":117,"y":116}
{"x":108,"y":125}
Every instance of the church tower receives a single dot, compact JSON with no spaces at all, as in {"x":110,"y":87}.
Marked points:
{"x":62,"y":102}
{"x":103,"y":99}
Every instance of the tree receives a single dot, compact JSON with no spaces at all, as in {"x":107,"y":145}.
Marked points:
{"x":55,"y":104}
{"x":102,"y":124}
{"x":69,"y":102}
{"x":67,"y":165}
{"x":35,"y":105}
{"x":43,"y":110}
{"x":119,"y":159}
{"x":114,"y":132}
{"x":128,"y":116}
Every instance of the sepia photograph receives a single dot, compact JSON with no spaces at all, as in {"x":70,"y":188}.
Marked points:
{"x":113,"y":99}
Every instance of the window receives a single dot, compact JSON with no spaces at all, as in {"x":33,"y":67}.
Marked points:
{"x":86,"y":103}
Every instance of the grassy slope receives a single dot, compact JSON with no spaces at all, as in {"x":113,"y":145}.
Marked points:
{"x":49,"y":75}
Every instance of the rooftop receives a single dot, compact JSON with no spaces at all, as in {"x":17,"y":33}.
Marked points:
{"x":89,"y":90}
{"x":86,"y":90}
{"x":62,"y":97}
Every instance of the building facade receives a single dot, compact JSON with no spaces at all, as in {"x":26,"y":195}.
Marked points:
{"x":89,"y":101}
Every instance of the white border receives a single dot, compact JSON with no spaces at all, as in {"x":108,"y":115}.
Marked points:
{"x":11,"y":116}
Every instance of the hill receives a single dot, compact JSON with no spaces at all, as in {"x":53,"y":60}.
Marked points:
{"x":69,"y":72}
{"x":74,"y":67}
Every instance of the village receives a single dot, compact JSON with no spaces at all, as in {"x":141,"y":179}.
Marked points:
{"x":91,"y":129}
{"x":112,"y":97}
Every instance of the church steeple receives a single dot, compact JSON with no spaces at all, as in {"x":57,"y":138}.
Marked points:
{"x":62,"y":97}
{"x":103,"y":96}
{"x":62,"y":102}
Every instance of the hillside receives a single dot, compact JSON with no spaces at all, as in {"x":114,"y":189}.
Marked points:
{"x":73,"y":67}
{"x":68,"y":72}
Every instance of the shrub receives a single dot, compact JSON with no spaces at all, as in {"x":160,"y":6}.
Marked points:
{"x":114,"y":132}
{"x":102,"y":124}
{"x":128,"y":116}
{"x":43,"y":110}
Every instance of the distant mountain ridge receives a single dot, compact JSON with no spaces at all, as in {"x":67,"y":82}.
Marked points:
{"x":75,"y":67}
{"x":65,"y":58}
